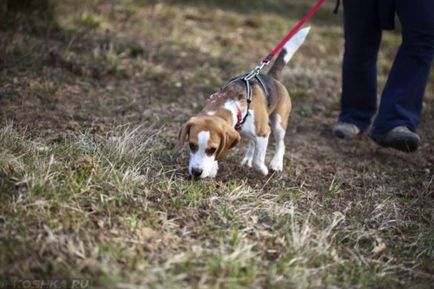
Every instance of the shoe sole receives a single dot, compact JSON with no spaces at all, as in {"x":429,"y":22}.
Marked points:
{"x":404,"y":145}
{"x":341,"y":135}
{"x":408,"y":146}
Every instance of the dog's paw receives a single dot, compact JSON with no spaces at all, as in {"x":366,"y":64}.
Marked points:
{"x":262,"y":169}
{"x":246,"y":162}
{"x":214,"y":170}
{"x":276,"y":165}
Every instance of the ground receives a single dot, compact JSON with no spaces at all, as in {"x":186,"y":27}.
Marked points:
{"x":90,"y":108}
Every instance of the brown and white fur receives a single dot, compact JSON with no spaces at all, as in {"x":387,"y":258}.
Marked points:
{"x":211,"y":133}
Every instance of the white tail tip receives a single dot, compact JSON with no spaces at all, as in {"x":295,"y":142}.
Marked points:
{"x":294,"y":43}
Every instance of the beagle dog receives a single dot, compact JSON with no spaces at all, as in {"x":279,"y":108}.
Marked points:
{"x":227,"y":116}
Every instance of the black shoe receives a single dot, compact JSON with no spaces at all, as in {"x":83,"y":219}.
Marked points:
{"x":400,"y":138}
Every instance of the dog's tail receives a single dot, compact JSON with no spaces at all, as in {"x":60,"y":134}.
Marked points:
{"x":287,"y":52}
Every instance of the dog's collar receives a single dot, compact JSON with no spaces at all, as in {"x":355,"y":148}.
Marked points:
{"x":239,"y":123}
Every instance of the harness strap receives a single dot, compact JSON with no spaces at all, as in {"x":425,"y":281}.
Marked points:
{"x":249,"y":89}
{"x":258,"y":77}
{"x":264,"y":87}
{"x":249,"y":101}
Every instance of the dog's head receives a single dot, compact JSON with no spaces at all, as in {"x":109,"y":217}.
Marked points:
{"x":209,"y":139}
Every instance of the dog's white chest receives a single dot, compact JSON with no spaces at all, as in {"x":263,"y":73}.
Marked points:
{"x":248,"y":129}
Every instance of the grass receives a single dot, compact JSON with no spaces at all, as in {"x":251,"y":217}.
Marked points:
{"x":89,"y":188}
{"x":107,"y":208}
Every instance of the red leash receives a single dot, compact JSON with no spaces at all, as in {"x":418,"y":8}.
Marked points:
{"x":294,"y":30}
{"x":282,"y":43}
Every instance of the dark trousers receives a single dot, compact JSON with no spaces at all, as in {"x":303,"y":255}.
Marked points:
{"x":401,"y":101}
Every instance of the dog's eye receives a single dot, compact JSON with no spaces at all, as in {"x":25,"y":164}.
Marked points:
{"x":210,"y":151}
{"x":193,"y":147}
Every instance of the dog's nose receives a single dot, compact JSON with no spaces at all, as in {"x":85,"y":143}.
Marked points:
{"x":196,"y":172}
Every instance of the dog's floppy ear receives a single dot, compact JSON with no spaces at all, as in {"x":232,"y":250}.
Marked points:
{"x":229,"y":138}
{"x":183,"y":133}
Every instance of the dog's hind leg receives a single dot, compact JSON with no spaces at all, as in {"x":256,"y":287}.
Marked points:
{"x":248,"y":156}
{"x":276,"y":163}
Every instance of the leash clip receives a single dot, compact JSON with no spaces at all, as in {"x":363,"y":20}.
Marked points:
{"x":255,"y":71}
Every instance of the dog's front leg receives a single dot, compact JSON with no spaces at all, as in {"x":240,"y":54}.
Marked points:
{"x":261,"y":144}
{"x":214,"y":169}
{"x":276,"y":163}
{"x":248,"y":157}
